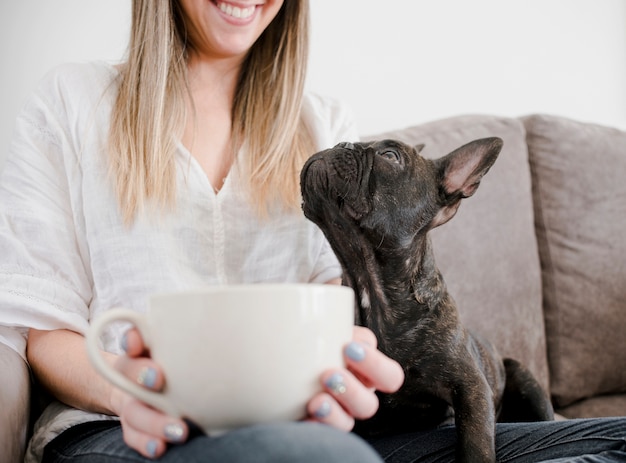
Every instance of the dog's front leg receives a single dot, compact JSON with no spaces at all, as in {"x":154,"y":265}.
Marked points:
{"x":474,"y":419}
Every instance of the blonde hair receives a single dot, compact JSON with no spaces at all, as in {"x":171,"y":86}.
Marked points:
{"x":149,"y":112}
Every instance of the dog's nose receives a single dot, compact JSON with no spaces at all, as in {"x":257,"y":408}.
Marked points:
{"x":345,"y":144}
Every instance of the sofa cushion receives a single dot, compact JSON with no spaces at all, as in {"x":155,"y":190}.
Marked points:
{"x":579,"y":189}
{"x":14,"y":405}
{"x":488,"y":252}
{"x":603,"y":405}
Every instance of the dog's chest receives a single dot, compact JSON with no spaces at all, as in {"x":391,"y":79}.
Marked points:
{"x":417,"y":336}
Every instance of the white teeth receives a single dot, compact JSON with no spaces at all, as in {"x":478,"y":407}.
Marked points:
{"x":235,"y":11}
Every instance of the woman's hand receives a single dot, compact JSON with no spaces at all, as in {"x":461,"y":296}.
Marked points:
{"x":145,"y":429}
{"x":350,"y":393}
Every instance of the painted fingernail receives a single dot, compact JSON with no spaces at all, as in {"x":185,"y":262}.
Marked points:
{"x":147,"y":377}
{"x":335,"y":383}
{"x":323,"y":411}
{"x":355,"y":351}
{"x":174,"y":432}
{"x":151,"y":448}
{"x":124,"y":342}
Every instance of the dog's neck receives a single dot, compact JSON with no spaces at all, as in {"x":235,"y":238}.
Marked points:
{"x":405,"y":278}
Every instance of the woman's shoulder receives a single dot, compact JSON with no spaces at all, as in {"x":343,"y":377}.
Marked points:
{"x":77,"y":81}
{"x":330,"y":119}
{"x":69,"y":96}
{"x":325,"y":107}
{"x":82,"y":72}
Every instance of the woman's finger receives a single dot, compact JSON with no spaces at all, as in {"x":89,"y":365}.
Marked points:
{"x":147,"y":445}
{"x":147,"y":420}
{"x":364,"y":335}
{"x":142,"y":370}
{"x":354,"y":397}
{"x":132,"y":344}
{"x":148,"y":430}
{"x":373,"y":367}
{"x":325,"y":409}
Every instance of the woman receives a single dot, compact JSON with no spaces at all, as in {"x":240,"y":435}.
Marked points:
{"x":175,"y":170}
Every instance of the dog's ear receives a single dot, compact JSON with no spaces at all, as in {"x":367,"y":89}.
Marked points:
{"x":418,"y":148}
{"x":460,"y":173}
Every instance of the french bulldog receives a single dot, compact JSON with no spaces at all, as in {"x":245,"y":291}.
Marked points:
{"x":376,"y":202}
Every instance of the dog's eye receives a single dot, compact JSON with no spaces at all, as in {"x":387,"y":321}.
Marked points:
{"x":390,"y":155}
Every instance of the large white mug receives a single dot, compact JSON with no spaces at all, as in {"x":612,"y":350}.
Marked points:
{"x":236,"y":355}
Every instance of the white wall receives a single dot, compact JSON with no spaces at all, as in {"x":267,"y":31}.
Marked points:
{"x":400,"y":62}
{"x":396,"y":62}
{"x":36,"y":35}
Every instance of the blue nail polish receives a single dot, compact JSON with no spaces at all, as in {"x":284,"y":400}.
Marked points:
{"x":124,"y":342}
{"x":323,"y":411}
{"x":147,"y":377}
{"x":335,"y":383}
{"x":151,"y":448}
{"x":355,"y":351}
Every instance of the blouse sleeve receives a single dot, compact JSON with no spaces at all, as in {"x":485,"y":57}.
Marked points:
{"x":44,"y":278}
{"x":331,"y":122}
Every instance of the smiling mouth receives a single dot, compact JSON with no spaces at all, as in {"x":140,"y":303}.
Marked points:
{"x":235,"y":11}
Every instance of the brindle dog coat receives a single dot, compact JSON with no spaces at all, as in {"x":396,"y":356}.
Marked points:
{"x":376,"y":202}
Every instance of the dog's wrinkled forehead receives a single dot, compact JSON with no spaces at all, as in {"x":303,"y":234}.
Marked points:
{"x":393,"y":151}
{"x":374,"y":146}
{"x":378,"y":145}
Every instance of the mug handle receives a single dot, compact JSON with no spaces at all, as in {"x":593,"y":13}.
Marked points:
{"x":155,"y":399}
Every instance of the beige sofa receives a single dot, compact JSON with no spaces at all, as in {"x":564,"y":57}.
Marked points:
{"x":536,"y":260}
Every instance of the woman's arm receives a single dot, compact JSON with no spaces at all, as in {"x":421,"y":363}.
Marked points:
{"x":59,"y":360}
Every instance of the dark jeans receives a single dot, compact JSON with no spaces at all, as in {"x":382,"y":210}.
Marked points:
{"x":101,"y":442}
{"x":574,"y":441}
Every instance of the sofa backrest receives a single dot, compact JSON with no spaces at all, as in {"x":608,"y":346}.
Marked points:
{"x":579,"y":188}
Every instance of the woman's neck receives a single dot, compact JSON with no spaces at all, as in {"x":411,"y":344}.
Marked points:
{"x":207,"y":134}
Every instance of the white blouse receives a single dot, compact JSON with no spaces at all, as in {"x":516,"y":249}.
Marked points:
{"x":66,"y":254}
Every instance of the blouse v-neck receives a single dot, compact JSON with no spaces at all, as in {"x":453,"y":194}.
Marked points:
{"x":194,"y":169}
